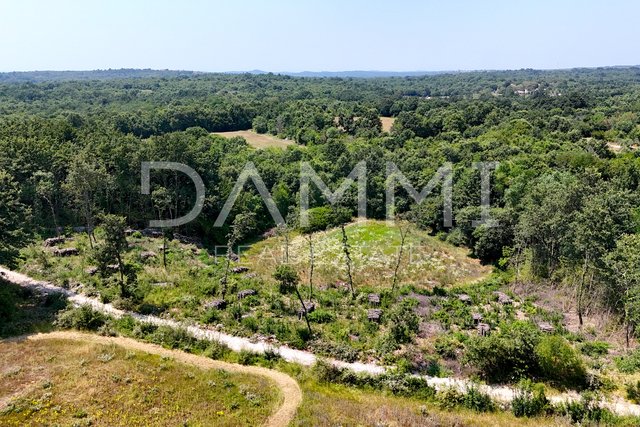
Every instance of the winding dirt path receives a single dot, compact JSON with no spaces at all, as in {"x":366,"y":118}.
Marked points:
{"x":499,"y":393}
{"x":291,"y":393}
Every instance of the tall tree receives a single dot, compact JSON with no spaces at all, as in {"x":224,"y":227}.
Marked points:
{"x":45,"y":188}
{"x":85,"y":180}
{"x":111,"y":251}
{"x":624,"y":267}
{"x":14,"y":216}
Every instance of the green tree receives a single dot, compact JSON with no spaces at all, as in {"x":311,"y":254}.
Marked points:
{"x":624,"y":272}
{"x":14,"y":217}
{"x":111,"y":251}
{"x":45,"y":189}
{"x":85,"y":180}
{"x":288,"y":279}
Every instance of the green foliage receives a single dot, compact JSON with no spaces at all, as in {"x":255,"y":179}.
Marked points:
{"x":595,"y":348}
{"x":14,"y":217}
{"x":559,"y":362}
{"x":506,"y":355}
{"x":83,"y":318}
{"x":530,"y":400}
{"x":472,"y":398}
{"x":633,"y":391}
{"x":629,"y":363}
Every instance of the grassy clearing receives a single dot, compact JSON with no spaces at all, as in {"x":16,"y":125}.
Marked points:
{"x":258,"y":140}
{"x":375,"y":246}
{"x":387,"y":123}
{"x":67,"y":382}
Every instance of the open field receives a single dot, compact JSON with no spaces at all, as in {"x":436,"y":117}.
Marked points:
{"x":387,"y":122}
{"x":78,"y":379}
{"x":375,"y":246}
{"x":257,"y":140}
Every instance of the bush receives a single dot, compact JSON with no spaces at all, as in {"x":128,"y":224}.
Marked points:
{"x":83,"y":318}
{"x":584,"y":410}
{"x":530,"y":400}
{"x":322,"y":316}
{"x":447,"y":346}
{"x":473,"y":399}
{"x":594,"y":348}
{"x":506,"y":355}
{"x":7,"y":302}
{"x":335,"y":350}
{"x":630,"y":363}
{"x":560,"y":363}
{"x":633,"y":392}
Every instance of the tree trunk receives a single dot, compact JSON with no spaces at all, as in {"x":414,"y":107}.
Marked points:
{"x":403,"y":235}
{"x":304,"y":310}
{"x":311,"y":266}
{"x":345,"y":247}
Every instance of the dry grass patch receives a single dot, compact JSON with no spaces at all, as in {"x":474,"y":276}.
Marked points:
{"x":70,"y":382}
{"x":387,"y":122}
{"x":258,"y":140}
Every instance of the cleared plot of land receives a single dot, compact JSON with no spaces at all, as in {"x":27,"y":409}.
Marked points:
{"x":387,"y":122}
{"x":79,"y":379}
{"x":374,"y":246}
{"x":258,"y":140}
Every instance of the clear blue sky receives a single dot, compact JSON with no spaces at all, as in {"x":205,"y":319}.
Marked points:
{"x":297,"y":35}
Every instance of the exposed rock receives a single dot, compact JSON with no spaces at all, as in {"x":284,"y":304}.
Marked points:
{"x":148,"y":254}
{"x":152,"y":232}
{"x":546,"y":327}
{"x":162,"y":284}
{"x":310,"y":307}
{"x":374,"y":314}
{"x":187,"y":240}
{"x":477,"y":318}
{"x":238,"y":270}
{"x":246,"y":293}
{"x":270,"y":233}
{"x":374,"y":299}
{"x":65,"y":252}
{"x":91,"y":271}
{"x":465,"y":298}
{"x":53,"y":241}
{"x":483,"y":329}
{"x":218,"y":304}
{"x":503,"y":298}
{"x":129,"y":231}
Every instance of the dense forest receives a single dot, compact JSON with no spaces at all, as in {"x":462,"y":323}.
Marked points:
{"x":564,"y":194}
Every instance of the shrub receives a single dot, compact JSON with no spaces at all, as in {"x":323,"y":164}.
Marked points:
{"x":633,"y":392}
{"x":216,"y":350}
{"x":594,"y":348}
{"x":505,"y":355}
{"x":83,"y":318}
{"x":447,"y":346}
{"x":530,"y":399}
{"x":403,"y":322}
{"x":335,"y":350}
{"x":322,"y":316}
{"x":473,"y":399}
{"x":7,"y":302}
{"x":559,"y":362}
{"x":585,"y":409}
{"x":630,"y":363}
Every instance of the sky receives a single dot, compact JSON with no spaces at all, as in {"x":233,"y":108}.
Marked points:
{"x":311,"y":35}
